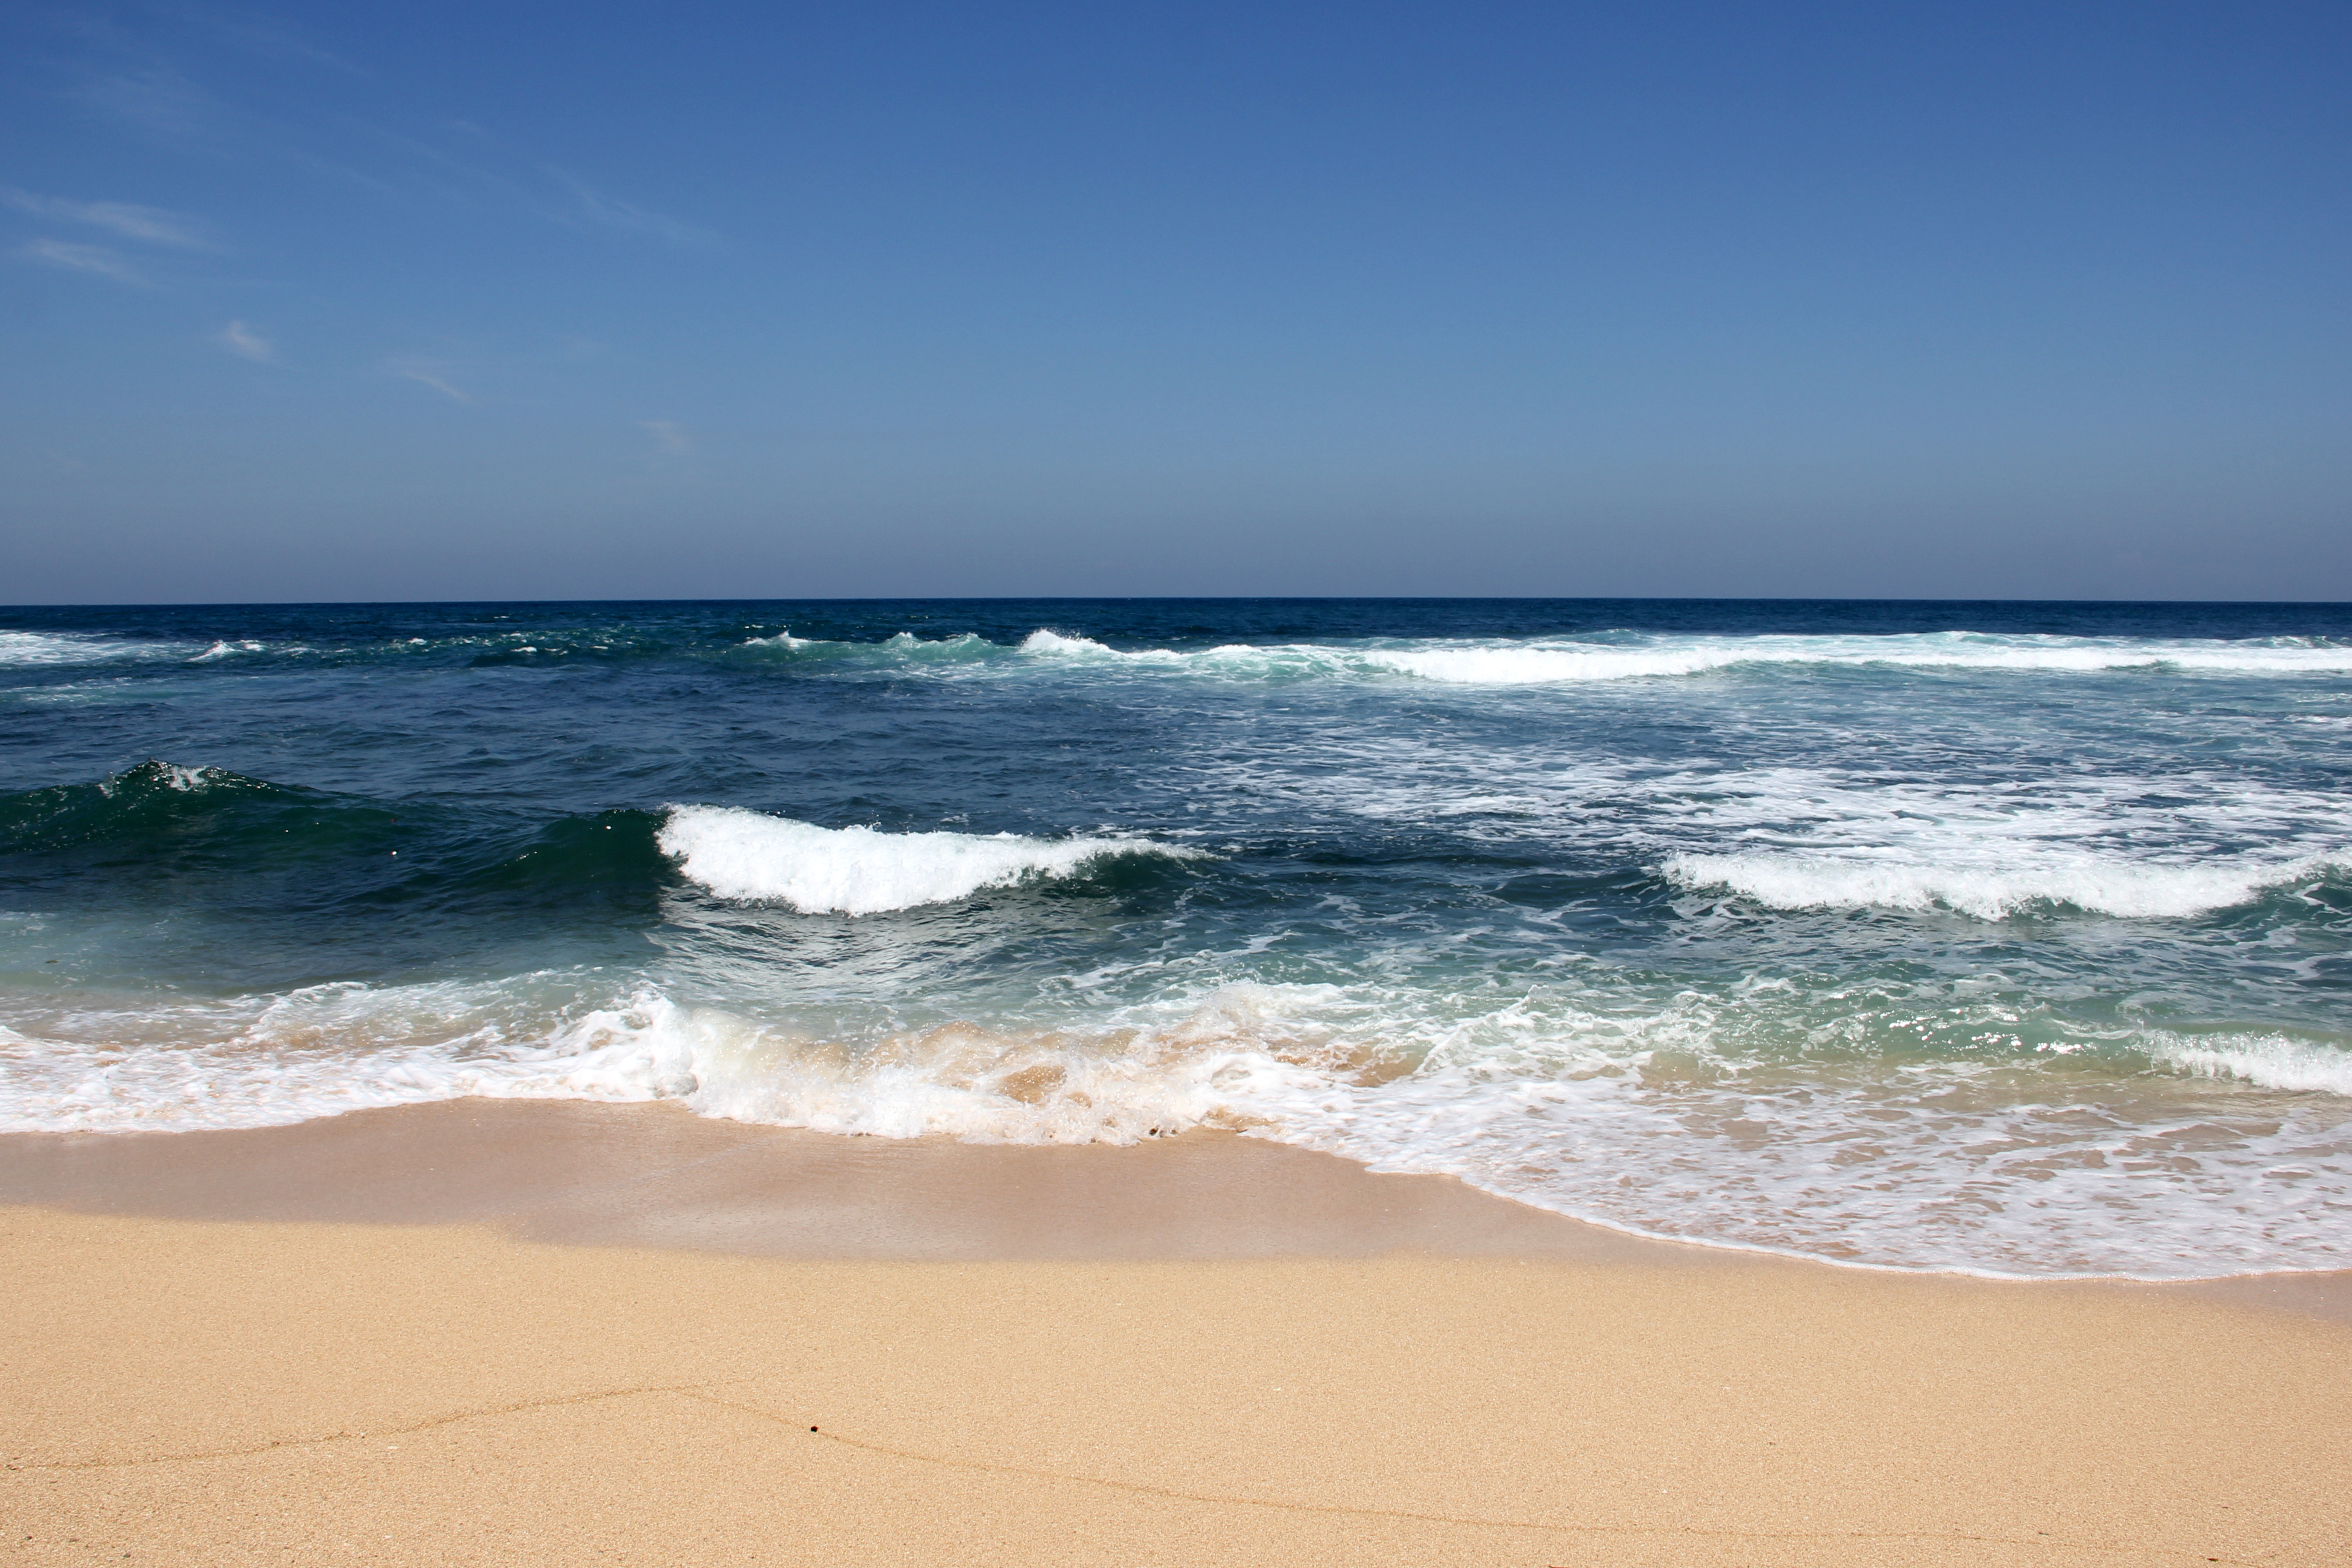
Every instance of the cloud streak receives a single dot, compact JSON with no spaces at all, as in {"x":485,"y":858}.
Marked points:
{"x":609,"y":211}
{"x":92,"y":259}
{"x":257,"y":35}
{"x":670,"y":439}
{"x":160,"y":102}
{"x":151,"y":226}
{"x":246,"y":344}
{"x":433,"y":373}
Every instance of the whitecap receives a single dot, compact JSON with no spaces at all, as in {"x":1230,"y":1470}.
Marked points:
{"x":1051,"y":643}
{"x":748,"y":856}
{"x":2273,"y":1061}
{"x":2101,"y":885}
{"x":37,"y":648}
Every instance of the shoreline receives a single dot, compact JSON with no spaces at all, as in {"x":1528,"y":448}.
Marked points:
{"x":555,"y":1332}
{"x":654,"y":1174}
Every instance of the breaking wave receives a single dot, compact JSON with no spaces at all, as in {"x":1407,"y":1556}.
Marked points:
{"x":2138,"y":890}
{"x":326,"y":1050}
{"x":750,"y":856}
{"x":1480,"y":661}
{"x":37,"y":648}
{"x":2273,"y":1061}
{"x":1617,"y":657}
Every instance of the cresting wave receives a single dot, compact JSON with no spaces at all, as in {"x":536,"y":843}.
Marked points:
{"x":1615,"y":656}
{"x":744,"y":854}
{"x":2098,"y":885}
{"x":1492,"y":662}
{"x":2274,"y":1061}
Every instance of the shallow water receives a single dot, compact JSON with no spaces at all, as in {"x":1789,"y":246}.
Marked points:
{"x":2007,"y":938}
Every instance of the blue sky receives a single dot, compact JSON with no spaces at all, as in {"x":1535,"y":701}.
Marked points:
{"x":464,"y":301}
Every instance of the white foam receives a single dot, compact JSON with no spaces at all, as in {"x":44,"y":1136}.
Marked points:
{"x":747,"y":856}
{"x":1956,"y":1167}
{"x":2234,"y":1155}
{"x":37,"y":648}
{"x":2102,"y":885}
{"x":327,"y":1049}
{"x":1538,"y":664}
{"x":1554,"y":661}
{"x":1606,"y":657}
{"x":2274,"y":1061}
{"x":1052,"y":643}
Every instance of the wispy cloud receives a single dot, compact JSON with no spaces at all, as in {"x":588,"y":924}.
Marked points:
{"x":670,"y":439}
{"x":432,"y":373}
{"x":610,"y":212}
{"x":151,"y":226}
{"x":94,"y":259}
{"x":246,"y":344}
{"x":160,"y":102}
{"x":257,"y":34}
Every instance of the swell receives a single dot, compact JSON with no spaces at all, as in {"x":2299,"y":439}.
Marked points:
{"x":213,"y":834}
{"x":1542,"y":660}
{"x":209,"y":831}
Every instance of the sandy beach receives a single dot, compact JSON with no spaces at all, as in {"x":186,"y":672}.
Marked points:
{"x":549,"y":1333}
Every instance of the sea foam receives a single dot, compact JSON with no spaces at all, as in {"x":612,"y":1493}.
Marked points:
{"x":1551,"y":661}
{"x":2099,"y":885}
{"x":2273,"y":1061}
{"x":33,"y":648}
{"x":1639,"y":1122}
{"x":747,"y":856}
{"x":1557,"y":660}
{"x":328,"y":1050}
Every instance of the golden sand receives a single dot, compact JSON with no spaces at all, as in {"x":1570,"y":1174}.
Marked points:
{"x":193,"y":1391}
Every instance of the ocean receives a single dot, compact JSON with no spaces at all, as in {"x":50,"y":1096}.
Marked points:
{"x":2012,"y":939}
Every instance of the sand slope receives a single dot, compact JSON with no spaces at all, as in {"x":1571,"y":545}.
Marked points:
{"x":217,"y":1393}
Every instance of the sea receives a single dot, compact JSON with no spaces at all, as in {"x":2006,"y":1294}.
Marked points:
{"x":2009,"y":939}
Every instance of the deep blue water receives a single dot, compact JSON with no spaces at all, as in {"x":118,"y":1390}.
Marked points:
{"x":2008,"y":937}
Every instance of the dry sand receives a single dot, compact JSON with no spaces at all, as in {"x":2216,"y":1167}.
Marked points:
{"x":602,"y":1334}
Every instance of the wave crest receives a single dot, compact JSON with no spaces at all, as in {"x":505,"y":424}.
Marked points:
{"x":2097,"y":885}
{"x":2270,"y":1061}
{"x":753,"y":857}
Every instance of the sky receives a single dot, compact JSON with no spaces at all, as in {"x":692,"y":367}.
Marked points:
{"x":620,"y":301}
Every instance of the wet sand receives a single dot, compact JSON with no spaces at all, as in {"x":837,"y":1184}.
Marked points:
{"x":553,"y":1333}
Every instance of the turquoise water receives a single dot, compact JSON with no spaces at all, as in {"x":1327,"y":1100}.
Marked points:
{"x":2007,"y":938}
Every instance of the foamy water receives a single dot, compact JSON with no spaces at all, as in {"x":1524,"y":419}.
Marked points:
{"x":2008,"y":950}
{"x":744,"y":854}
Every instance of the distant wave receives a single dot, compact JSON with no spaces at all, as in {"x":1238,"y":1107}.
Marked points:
{"x":903,"y":648}
{"x":1520,"y":663}
{"x":1550,"y":661}
{"x":1473,"y":662}
{"x":2096,"y":884}
{"x":747,"y":856}
{"x":38,"y":648}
